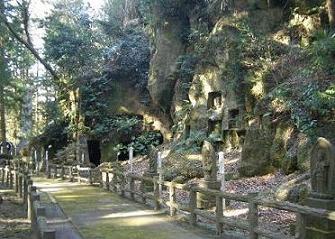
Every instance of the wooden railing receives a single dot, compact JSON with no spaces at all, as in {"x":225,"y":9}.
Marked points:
{"x":74,"y":173}
{"x":132,"y":186}
{"x":17,"y":176}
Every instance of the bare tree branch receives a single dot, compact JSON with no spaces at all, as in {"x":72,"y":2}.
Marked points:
{"x":29,"y":46}
{"x":25,"y":17}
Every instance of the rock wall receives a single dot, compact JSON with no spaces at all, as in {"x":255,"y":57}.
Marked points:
{"x":226,"y":65}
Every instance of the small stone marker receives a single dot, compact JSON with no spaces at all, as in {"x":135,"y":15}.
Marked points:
{"x":36,"y":162}
{"x":160,"y":170}
{"x":131,"y":157}
{"x":47,"y":159}
{"x":82,"y":157}
{"x":222,"y":176}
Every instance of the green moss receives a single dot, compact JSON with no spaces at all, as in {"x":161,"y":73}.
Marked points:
{"x":101,"y":214}
{"x":84,"y":199}
{"x":118,"y":230}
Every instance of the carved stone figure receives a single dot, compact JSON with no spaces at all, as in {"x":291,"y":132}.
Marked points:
{"x":323,"y":170}
{"x":209,"y":161}
{"x":215,"y":112}
{"x":323,"y":191}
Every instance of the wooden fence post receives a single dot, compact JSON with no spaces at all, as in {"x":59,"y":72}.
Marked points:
{"x":34,"y":197}
{"x":71,"y":174}
{"x":300,"y":226}
{"x":143,"y":191}
{"x":107,"y":181}
{"x":49,"y":171}
{"x":193,"y":206}
{"x":156,"y":194}
{"x":16,"y":181}
{"x":26,"y":178}
{"x":49,"y":234}
{"x":115,"y":181}
{"x":78,"y":174}
{"x":54,"y":174}
{"x":172,"y":198}
{"x":90,"y":179}
{"x":253,"y":217}
{"x":31,"y":190}
{"x":20,"y":185}
{"x":62,"y":172}
{"x":132,"y":188}
{"x":123,"y":185}
{"x":3,"y":176}
{"x":11,"y":183}
{"x":7,"y":176}
{"x":101,"y":179}
{"x":219,"y":214}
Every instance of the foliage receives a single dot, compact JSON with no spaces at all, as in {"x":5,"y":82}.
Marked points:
{"x":141,"y":143}
{"x":322,"y":52}
{"x":123,"y":126}
{"x":70,"y":39}
{"x":155,"y":12}
{"x":308,"y":105}
{"x":190,"y":145}
{"x":15,"y":61}
{"x":114,"y":14}
{"x":55,"y":134}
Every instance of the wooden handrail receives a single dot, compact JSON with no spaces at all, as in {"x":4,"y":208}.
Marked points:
{"x":117,"y":182}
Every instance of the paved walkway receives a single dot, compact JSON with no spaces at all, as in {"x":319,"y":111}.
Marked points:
{"x":92,"y":213}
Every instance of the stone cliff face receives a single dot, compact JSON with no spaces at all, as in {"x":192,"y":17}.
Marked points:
{"x":220,"y":68}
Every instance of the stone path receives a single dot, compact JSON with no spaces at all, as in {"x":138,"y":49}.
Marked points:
{"x":92,"y":213}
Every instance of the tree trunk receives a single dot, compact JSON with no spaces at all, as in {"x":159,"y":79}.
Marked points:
{"x":331,"y":13}
{"x":3,"y":78}
{"x":2,"y":115}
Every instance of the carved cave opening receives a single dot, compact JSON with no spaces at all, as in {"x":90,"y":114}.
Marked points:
{"x":94,"y":152}
{"x":214,"y":127}
{"x":214,"y":100}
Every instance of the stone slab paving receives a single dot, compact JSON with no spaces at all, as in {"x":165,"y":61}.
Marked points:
{"x":57,"y":219}
{"x":98,"y":214}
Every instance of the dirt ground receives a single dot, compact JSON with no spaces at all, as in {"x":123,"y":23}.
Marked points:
{"x":13,"y":221}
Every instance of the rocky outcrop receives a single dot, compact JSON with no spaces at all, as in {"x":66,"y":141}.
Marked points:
{"x":168,"y":47}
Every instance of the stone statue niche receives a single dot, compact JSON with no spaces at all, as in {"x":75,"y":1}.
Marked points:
{"x":215,"y":106}
{"x":215,"y":114}
{"x":214,"y":129}
{"x":323,"y":170}
{"x":233,"y":118}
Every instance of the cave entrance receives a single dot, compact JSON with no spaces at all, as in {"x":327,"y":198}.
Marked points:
{"x":94,"y":152}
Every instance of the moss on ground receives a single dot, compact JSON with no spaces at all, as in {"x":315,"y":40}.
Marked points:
{"x":101,"y":214}
{"x":117,"y":231}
